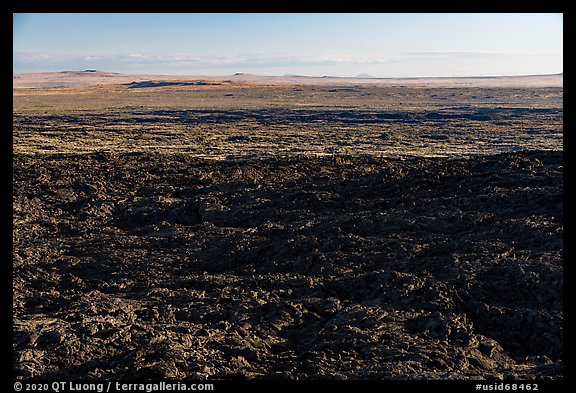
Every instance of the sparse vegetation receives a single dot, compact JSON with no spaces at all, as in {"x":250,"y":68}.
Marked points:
{"x":177,"y":116}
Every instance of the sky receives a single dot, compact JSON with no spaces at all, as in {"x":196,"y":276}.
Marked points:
{"x":333,"y":44}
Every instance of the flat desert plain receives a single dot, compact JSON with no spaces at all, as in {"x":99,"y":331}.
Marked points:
{"x":250,"y":227}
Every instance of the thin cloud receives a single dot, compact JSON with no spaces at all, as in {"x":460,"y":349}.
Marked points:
{"x":437,"y":63}
{"x":244,"y":59}
{"x":193,"y":60}
{"x":468,"y":54}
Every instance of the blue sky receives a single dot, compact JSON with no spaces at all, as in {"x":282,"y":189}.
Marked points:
{"x":379,"y":45}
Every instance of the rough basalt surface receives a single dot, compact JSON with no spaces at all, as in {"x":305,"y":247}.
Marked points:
{"x":149,"y":265}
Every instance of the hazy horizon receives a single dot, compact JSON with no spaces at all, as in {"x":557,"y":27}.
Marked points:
{"x":285,"y":75}
{"x":338,"y":45}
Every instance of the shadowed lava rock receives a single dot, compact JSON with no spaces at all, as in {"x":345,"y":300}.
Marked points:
{"x":168,"y":266}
